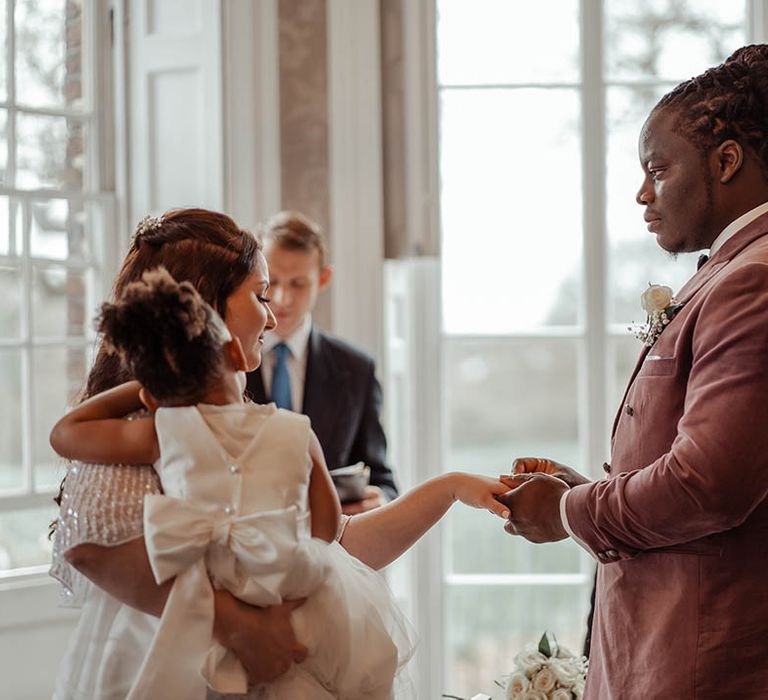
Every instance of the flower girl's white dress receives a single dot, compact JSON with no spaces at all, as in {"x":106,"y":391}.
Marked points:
{"x":234,"y":512}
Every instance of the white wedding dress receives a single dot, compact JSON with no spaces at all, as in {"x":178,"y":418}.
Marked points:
{"x":235,"y":506}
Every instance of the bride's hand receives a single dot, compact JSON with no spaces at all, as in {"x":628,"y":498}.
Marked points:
{"x":261,"y":638}
{"x":537,"y":465}
{"x":479,"y":492}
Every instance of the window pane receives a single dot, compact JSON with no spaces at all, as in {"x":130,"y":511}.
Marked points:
{"x":670,"y":39}
{"x":49,"y":152}
{"x":511,"y":260}
{"x":10,"y":307}
{"x":506,"y":399}
{"x":48,"y":53}
{"x":58,"y":375}
{"x":3,"y":146}
{"x":635,"y":259}
{"x":10,"y":420}
{"x":61,"y":302}
{"x":24,"y":537}
{"x":486,"y":626}
{"x":494,"y":42}
{"x":58,"y":231}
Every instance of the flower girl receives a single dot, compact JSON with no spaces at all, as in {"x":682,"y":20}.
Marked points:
{"x":248,"y":506}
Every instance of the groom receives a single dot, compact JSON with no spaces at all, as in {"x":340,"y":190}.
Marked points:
{"x":680,"y":526}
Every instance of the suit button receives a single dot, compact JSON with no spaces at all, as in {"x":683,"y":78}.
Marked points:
{"x":601,"y":556}
{"x":606,"y":467}
{"x":611,"y":554}
{"x":629,"y":410}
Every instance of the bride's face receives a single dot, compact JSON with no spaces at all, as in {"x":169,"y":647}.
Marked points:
{"x":248,"y":315}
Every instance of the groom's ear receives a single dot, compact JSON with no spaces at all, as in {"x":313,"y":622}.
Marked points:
{"x":730,"y":158}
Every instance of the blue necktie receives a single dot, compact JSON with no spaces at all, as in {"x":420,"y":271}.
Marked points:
{"x":281,"y":380}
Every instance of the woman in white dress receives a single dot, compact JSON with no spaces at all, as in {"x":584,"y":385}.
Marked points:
{"x":238,"y":480}
{"x":100,"y":528}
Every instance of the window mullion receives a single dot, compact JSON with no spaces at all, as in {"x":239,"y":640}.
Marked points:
{"x":27,"y":323}
{"x":10,"y":80}
{"x":593,"y":417}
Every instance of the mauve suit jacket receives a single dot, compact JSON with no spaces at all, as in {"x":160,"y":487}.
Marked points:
{"x":343,"y":401}
{"x":680,"y":526}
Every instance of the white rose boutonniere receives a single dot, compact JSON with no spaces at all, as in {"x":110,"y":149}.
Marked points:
{"x":661,"y":307}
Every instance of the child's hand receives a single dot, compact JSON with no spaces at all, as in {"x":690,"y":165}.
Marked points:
{"x":479,"y":492}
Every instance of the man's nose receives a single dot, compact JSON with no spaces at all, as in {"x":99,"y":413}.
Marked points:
{"x":644,"y":194}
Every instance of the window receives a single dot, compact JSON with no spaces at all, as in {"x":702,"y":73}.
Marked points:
{"x":544,"y":256}
{"x":55,"y":220}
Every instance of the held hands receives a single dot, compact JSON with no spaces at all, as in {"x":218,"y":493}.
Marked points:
{"x":479,"y":492}
{"x":537,"y":465}
{"x":534,"y":501}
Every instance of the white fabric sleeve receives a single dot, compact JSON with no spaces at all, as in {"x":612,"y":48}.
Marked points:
{"x":100,"y":504}
{"x":567,"y":526}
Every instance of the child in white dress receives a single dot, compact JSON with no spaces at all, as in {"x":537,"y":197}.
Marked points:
{"x":247,"y":505}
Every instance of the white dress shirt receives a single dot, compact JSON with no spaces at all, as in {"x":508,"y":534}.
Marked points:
{"x":298,"y":344}
{"x":728,"y":232}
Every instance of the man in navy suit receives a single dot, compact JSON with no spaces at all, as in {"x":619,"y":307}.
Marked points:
{"x":309,"y":371}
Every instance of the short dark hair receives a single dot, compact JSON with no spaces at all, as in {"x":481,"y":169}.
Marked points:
{"x":294,"y":231}
{"x":729,"y":101}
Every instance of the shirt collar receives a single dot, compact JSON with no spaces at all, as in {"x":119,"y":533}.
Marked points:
{"x":735,"y":226}
{"x":297,"y":342}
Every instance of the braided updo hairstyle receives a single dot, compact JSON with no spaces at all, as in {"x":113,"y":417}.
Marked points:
{"x":729,"y":101}
{"x":204,"y":247}
{"x":166,"y":336}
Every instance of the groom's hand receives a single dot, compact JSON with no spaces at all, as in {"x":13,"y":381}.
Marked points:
{"x":537,"y":465}
{"x":534,"y":507}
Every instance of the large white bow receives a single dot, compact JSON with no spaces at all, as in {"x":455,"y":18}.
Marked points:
{"x":258,"y":551}
{"x":179,"y":533}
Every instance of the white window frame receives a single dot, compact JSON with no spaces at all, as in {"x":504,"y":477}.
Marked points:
{"x":594,"y":334}
{"x":102,"y":27}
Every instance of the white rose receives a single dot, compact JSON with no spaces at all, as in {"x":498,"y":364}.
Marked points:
{"x":530,"y":660}
{"x":544,"y":680}
{"x":561,"y":694}
{"x":566,"y":671}
{"x":578,"y":691}
{"x":534,"y":695}
{"x":517,"y":684}
{"x":656,"y":298}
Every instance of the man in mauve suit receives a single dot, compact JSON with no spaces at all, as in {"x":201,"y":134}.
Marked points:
{"x":327,"y":379}
{"x":679,"y":527}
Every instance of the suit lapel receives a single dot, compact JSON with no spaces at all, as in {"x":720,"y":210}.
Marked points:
{"x":325,"y":386}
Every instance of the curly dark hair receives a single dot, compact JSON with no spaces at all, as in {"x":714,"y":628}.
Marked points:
{"x":729,"y":101}
{"x":167,"y":336}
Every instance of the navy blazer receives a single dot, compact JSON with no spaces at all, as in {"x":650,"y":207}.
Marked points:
{"x":343,"y":400}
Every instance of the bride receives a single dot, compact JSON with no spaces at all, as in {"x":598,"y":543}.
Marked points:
{"x":99,"y":550}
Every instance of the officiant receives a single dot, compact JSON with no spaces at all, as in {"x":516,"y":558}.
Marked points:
{"x":307,"y":370}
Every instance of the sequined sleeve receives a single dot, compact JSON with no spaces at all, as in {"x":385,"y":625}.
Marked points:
{"x":100,"y":504}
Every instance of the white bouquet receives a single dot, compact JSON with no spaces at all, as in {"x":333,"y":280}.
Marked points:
{"x":544,"y":672}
